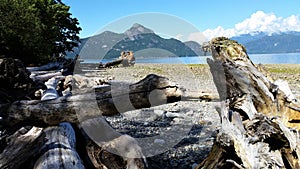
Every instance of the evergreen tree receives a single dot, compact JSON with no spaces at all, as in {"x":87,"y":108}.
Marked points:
{"x":36,"y":31}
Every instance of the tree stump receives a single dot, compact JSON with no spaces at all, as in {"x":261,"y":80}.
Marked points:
{"x":259,"y":116}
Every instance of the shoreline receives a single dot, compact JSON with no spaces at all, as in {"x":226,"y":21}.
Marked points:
{"x":195,"y":77}
{"x":199,"y":74}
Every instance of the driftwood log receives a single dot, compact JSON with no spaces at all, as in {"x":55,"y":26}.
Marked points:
{"x":152,"y":90}
{"x":126,"y":59}
{"x":21,"y":146}
{"x":59,"y":149}
{"x":259,"y":116}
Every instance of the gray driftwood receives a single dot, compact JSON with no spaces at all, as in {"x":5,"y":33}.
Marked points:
{"x":260,"y":117}
{"x":117,"y":98}
{"x":22,"y":145}
{"x":126,"y":59}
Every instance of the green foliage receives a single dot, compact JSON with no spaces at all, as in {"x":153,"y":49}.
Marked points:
{"x":284,"y":69}
{"x":36,"y":31}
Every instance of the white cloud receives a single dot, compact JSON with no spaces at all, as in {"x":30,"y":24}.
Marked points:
{"x":197,"y":37}
{"x":219,"y":31}
{"x":179,"y":37}
{"x":258,"y":22}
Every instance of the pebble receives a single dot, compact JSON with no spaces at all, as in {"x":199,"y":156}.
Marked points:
{"x":159,"y":113}
{"x":176,"y":121}
{"x":159,"y":141}
{"x":191,"y":149}
{"x":173,"y":115}
{"x":194,"y":165}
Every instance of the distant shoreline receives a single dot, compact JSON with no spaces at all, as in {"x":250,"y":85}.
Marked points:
{"x":277,"y":58}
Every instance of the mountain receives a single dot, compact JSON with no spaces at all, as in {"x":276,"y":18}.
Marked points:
{"x":196,"y":47}
{"x":96,"y":46}
{"x":284,"y":42}
{"x":245,"y":38}
{"x":137,"y":29}
{"x":139,"y":39}
{"x":151,"y":41}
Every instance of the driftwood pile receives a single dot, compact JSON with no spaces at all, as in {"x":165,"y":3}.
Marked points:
{"x":45,"y":133}
{"x":260,"y":117}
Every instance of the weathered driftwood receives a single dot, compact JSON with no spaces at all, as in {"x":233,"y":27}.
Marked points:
{"x":21,"y":147}
{"x":109,"y":148}
{"x":113,"y":63}
{"x":255,"y":114}
{"x":53,"y":147}
{"x":114,"y":99}
{"x":248,"y":86}
{"x":46,"y":76}
{"x":126,"y":59}
{"x":59,"y":151}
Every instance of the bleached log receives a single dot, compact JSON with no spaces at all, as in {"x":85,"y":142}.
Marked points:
{"x":50,"y":93}
{"x":152,"y":90}
{"x":45,"y":77}
{"x":60,"y":149}
{"x":256,"y":114}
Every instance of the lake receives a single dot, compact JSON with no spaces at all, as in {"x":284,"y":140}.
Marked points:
{"x":280,"y":58}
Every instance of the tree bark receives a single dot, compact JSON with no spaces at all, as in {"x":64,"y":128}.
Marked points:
{"x":255,"y":115}
{"x":114,"y":99}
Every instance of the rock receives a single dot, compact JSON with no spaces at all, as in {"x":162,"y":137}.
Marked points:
{"x":159,"y":141}
{"x":159,"y":113}
{"x":173,"y":115}
{"x":194,"y":166}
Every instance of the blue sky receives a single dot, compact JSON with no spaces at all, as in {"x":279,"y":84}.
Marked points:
{"x":209,"y":16}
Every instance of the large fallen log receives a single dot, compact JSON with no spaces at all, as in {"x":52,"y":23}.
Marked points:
{"x":255,"y":115}
{"x":152,"y":90}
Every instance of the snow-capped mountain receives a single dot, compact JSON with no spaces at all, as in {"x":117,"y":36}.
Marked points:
{"x":283,"y":42}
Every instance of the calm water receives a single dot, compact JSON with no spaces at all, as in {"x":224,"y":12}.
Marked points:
{"x":282,"y":58}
